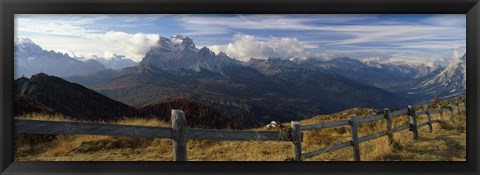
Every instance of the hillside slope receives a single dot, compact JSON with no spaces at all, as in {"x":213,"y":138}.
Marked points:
{"x":67,"y":98}
{"x":446,"y":143}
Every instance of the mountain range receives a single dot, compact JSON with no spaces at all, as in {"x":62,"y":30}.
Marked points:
{"x":249,"y":93}
{"x":375,"y":74}
{"x":263,"y":89}
{"x":31,"y":59}
{"x":115,"y":61}
{"x":446,"y":82}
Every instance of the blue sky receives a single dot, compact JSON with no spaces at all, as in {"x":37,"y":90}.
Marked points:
{"x":384,"y":38}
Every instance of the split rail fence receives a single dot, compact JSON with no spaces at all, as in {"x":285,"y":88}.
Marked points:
{"x":180,"y":134}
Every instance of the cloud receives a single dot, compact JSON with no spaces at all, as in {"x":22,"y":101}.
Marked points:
{"x":134,"y":46}
{"x":68,"y":35}
{"x":398,"y":37}
{"x":375,"y":59}
{"x":352,"y":29}
{"x":51,"y":28}
{"x":245,"y":47}
{"x":196,"y":24}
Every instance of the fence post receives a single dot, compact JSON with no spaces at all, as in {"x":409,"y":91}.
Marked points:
{"x":458,"y":108}
{"x":179,"y":141}
{"x":430,"y":127}
{"x":441,"y":112}
{"x":296,"y":140}
{"x":386,"y":114}
{"x":355,"y":143}
{"x":413,"y":121}
{"x":451,"y":113}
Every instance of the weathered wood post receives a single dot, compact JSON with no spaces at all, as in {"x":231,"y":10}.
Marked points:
{"x":296,"y":140}
{"x":179,"y":141}
{"x":427,"y":111}
{"x":441,"y":112}
{"x":451,"y":113}
{"x":355,"y":143}
{"x":458,"y":108}
{"x":413,"y":121}
{"x":386,"y":114}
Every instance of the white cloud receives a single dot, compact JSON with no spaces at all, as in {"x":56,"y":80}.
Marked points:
{"x":375,"y":59}
{"x":245,"y":47}
{"x":63,"y":25}
{"x":224,"y":24}
{"x":342,"y":35}
{"x":69,"y":36}
{"x":437,"y":27}
{"x":455,"y":55}
{"x":133,"y":46}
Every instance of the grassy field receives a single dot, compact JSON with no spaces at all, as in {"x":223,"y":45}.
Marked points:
{"x":445,"y":143}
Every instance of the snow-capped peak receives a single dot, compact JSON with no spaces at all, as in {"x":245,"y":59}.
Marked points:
{"x":430,"y":64}
{"x":449,"y":79}
{"x":372,"y":63}
{"x":176,"y":43}
{"x":23,"y":41}
{"x":115,"y":61}
{"x":26,"y":46}
{"x":177,"y":39}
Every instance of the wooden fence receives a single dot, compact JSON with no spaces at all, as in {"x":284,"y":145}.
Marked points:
{"x":180,"y":134}
{"x":388,"y":115}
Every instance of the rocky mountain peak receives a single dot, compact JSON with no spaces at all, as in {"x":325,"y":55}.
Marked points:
{"x":204,"y":51}
{"x":222,"y":54}
{"x":176,"y":43}
{"x":179,"y":55}
{"x":179,"y":39}
{"x":26,"y":46}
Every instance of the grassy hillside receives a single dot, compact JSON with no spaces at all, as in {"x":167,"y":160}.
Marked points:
{"x":446,"y":143}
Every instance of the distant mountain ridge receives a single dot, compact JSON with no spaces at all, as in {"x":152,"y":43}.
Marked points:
{"x":374,"y":74}
{"x":116,"y":62}
{"x":446,"y":82}
{"x":272,"y":66}
{"x":31,"y":59}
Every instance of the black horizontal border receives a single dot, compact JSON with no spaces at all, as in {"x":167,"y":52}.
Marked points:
{"x":241,"y":6}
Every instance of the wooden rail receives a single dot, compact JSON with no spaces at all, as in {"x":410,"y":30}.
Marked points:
{"x":412,"y":126}
{"x":180,"y":134}
{"x":84,"y":128}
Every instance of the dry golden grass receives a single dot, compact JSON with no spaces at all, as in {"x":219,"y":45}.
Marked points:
{"x":446,"y":143}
